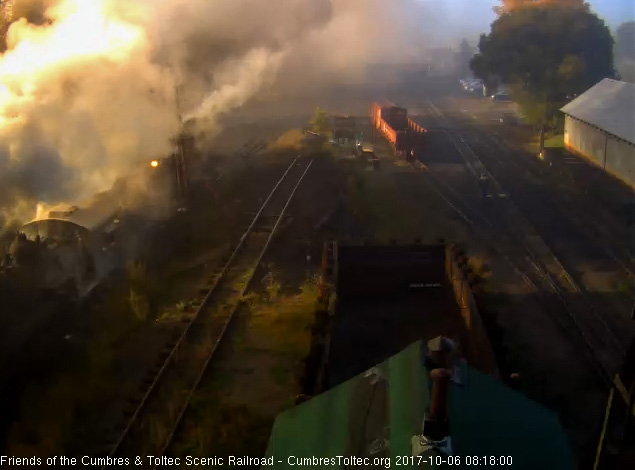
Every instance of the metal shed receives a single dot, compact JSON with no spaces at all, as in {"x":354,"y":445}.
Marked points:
{"x":600,"y":126}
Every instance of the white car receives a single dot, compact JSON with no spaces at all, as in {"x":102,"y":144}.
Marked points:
{"x":473,"y":83}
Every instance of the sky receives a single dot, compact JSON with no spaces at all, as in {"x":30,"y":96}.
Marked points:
{"x":473,"y":17}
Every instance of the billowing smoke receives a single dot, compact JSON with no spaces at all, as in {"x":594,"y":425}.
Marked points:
{"x":81,"y":102}
{"x":89,"y":89}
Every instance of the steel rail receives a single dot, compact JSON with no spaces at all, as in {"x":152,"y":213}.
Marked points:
{"x":496,"y":241}
{"x":628,"y":266}
{"x":204,"y":304}
{"x":561,"y":269}
{"x":530,"y":256}
{"x":228,"y":321}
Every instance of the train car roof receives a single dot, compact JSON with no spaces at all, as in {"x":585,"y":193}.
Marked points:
{"x":92,"y":215}
{"x":607,"y":105}
{"x":382,"y":410}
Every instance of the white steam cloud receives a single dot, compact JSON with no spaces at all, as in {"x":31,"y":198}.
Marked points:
{"x":92,"y":88}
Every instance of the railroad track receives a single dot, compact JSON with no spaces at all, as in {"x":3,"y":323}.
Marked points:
{"x":596,"y":224}
{"x":512,"y":236}
{"x":252,"y":147}
{"x":595,"y":227}
{"x":156,"y":416}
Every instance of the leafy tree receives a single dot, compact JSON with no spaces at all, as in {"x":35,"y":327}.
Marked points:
{"x":510,"y":5}
{"x":320,"y":123}
{"x":547,"y":53}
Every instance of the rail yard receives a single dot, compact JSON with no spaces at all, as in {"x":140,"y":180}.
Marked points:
{"x":540,"y":259}
{"x":317,"y":233}
{"x":563,"y":253}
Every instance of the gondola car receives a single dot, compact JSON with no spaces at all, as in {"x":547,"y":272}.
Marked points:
{"x":406,"y":137}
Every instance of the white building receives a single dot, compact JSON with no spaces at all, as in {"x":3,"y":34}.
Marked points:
{"x":600,"y":126}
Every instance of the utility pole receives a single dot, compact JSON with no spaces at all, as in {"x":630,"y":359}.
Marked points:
{"x":549,"y":94}
{"x":180,"y":157}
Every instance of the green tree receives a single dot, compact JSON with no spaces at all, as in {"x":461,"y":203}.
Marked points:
{"x":320,"y":123}
{"x":547,"y":53}
{"x":510,"y":5}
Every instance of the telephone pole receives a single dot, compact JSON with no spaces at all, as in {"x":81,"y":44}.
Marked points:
{"x":180,"y":167}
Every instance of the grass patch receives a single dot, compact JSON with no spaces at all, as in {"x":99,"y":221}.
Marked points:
{"x":624,"y":285}
{"x":396,"y":206}
{"x":292,"y":139}
{"x":86,"y":382}
{"x":481,"y":270}
{"x":45,"y":430}
{"x":556,"y":141}
{"x":285,"y":323}
{"x":553,"y":142}
{"x":278,"y":329}
{"x":228,"y":430}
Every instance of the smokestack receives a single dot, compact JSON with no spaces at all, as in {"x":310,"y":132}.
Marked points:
{"x":439,"y":403}
{"x":440,"y":352}
{"x":436,"y":426}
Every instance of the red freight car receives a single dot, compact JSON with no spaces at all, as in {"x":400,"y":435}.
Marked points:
{"x":404,"y":135}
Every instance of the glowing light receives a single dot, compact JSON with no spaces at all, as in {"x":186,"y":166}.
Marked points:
{"x":154,"y":163}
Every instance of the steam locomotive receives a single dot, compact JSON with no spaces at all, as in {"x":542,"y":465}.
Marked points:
{"x":72,"y":248}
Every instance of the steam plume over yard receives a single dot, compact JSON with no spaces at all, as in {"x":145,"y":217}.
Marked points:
{"x":91,"y":88}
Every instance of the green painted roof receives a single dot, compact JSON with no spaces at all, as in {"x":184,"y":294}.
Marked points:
{"x":376,"y":414}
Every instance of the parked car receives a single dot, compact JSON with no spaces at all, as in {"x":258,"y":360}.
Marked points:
{"x":502,"y":97}
{"x":367,"y":154}
{"x":509,"y":118}
{"x":471,"y":82}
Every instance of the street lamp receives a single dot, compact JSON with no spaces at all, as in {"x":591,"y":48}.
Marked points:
{"x":154,"y":163}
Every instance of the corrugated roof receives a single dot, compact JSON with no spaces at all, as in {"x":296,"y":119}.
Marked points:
{"x":91,"y":215}
{"x":608,"y":105}
{"x":376,"y":414}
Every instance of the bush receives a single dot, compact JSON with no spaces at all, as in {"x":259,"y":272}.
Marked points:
{"x":139,"y":305}
{"x":143,"y":291}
